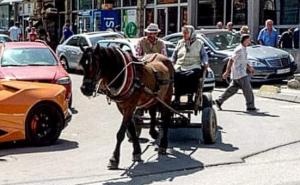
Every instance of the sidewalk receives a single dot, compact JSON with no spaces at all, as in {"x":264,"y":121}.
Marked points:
{"x":282,"y":93}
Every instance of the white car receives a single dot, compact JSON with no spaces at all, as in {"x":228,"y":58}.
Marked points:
{"x":129,"y":45}
{"x":4,"y":38}
{"x":69,"y":51}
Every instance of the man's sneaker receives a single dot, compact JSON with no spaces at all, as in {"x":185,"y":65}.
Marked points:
{"x":252,"y":109}
{"x":218,"y":104}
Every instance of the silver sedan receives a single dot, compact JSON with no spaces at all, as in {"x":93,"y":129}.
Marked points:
{"x":69,"y":51}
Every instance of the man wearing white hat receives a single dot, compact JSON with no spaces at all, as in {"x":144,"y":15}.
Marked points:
{"x":151,"y":43}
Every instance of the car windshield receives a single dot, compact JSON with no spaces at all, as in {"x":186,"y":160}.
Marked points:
{"x":94,"y":40}
{"x":28,"y":57}
{"x":223,"y":40}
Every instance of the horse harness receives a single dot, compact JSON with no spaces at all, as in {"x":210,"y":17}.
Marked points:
{"x":133,"y":72}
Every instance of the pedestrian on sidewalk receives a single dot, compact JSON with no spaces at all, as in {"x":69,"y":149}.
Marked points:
{"x":238,"y":67}
{"x":67,"y":32}
{"x":268,"y":36}
{"x":286,"y":39}
{"x":15,"y":32}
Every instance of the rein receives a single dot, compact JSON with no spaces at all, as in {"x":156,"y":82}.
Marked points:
{"x":107,"y":91}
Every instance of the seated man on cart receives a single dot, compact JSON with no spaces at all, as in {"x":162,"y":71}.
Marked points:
{"x":190,"y":61}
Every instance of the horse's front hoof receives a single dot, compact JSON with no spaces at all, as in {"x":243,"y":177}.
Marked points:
{"x":137,"y":158}
{"x":113,"y":164}
{"x":154,"y":134}
{"x":162,"y":151}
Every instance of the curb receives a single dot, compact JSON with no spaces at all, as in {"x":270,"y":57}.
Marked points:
{"x":274,"y":92}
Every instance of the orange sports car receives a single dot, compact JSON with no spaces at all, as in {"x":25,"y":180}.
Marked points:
{"x":36,"y":112}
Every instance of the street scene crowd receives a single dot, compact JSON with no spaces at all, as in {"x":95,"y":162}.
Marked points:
{"x":143,"y":70}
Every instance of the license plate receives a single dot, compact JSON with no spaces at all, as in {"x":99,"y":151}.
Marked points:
{"x":282,"y":71}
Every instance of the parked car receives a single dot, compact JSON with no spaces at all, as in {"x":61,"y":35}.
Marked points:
{"x":4,"y":38}
{"x":33,"y":61}
{"x":129,"y":45}
{"x":69,"y":52}
{"x":36,"y":112}
{"x":269,"y":63}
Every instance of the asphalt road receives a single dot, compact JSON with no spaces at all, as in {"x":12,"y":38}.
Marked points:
{"x":256,"y":148}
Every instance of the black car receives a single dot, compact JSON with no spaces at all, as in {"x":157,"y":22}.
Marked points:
{"x":269,"y":63}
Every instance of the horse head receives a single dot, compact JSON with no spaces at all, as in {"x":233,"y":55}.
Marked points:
{"x":91,"y":69}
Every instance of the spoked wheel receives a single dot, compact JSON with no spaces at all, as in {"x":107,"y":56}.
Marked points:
{"x":44,"y":124}
{"x":209,"y":125}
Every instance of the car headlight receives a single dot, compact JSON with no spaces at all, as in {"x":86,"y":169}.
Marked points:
{"x":292,"y":59}
{"x":256,"y":63}
{"x":64,"y":81}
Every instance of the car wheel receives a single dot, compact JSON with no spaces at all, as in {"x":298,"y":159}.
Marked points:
{"x":44,"y":124}
{"x":65,"y":63}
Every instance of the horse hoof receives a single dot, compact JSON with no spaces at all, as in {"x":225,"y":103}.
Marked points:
{"x":162,"y":151}
{"x":154,"y":134}
{"x":137,"y":158}
{"x":112,"y":165}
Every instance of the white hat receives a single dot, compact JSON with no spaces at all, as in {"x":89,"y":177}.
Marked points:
{"x":152,"y":28}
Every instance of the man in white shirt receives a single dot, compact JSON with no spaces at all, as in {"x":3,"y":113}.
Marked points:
{"x":15,"y":32}
{"x":238,"y":67}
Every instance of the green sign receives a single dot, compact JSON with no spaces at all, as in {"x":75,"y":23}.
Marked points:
{"x":131,"y":29}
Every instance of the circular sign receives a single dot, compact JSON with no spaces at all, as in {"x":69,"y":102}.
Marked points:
{"x":131,"y":29}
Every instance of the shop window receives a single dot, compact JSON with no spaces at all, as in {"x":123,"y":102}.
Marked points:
{"x":150,"y":1}
{"x":239,"y":12}
{"x":117,"y":3}
{"x":289,"y":11}
{"x":85,"y":4}
{"x":183,"y":16}
{"x":60,"y":5}
{"x":268,"y":11}
{"x":172,"y":20}
{"x":74,"y":5}
{"x":149,"y":17}
{"x":166,"y":1}
{"x":210,"y":12}
{"x":129,"y":2}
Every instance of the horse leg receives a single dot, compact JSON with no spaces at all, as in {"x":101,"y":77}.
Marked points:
{"x":166,"y":118}
{"x":135,"y":142}
{"x":153,"y":133}
{"x":114,"y":160}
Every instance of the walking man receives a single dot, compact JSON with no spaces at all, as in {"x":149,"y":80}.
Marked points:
{"x":237,"y":67}
{"x":15,"y":32}
{"x":268,"y":36}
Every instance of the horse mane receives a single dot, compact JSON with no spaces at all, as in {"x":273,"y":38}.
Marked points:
{"x":112,"y":64}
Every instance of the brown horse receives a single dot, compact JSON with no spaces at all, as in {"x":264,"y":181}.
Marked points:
{"x":131,"y":84}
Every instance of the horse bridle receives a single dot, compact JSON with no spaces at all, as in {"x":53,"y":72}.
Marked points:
{"x":94,"y":80}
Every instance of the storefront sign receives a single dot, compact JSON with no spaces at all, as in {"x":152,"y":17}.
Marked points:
{"x":109,"y":19}
{"x":129,"y":20}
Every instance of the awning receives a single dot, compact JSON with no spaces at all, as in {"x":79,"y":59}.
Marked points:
{"x":10,"y":1}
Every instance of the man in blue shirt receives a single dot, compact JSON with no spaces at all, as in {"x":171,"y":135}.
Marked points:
{"x":268,"y":35}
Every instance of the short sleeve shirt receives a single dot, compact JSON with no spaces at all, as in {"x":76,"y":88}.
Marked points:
{"x":14,"y":33}
{"x":268,"y":39}
{"x":239,"y":67}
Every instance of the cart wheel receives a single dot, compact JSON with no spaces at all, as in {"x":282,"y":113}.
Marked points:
{"x":209,"y":125}
{"x":207,"y":100}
